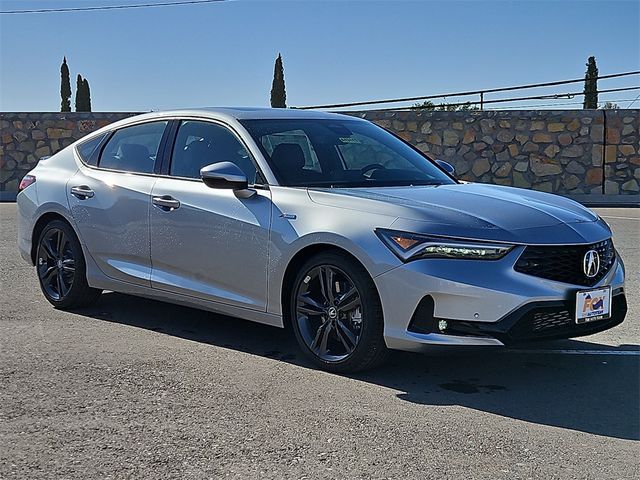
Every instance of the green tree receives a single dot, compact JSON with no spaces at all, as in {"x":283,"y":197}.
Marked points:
{"x":610,"y":106}
{"x":443,"y":107}
{"x":79,"y":94}
{"x":591,"y":84}
{"x":278,"y":93}
{"x":83,"y":95}
{"x":87,"y":95}
{"x":65,"y":87}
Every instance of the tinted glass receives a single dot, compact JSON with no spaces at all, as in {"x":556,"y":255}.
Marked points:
{"x":133,"y":149}
{"x":87,"y":148}
{"x":340,"y":153}
{"x":202,"y":143}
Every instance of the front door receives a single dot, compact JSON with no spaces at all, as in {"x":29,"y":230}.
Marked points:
{"x":206,"y":242}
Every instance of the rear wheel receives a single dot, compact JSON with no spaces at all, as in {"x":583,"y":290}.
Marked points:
{"x":61,"y":267}
{"x":336,"y":314}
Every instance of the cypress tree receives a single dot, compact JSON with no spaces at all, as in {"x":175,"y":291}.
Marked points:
{"x":278,"y":93}
{"x":87,"y":95}
{"x":591,"y":84}
{"x":79,"y":94}
{"x":65,"y":87}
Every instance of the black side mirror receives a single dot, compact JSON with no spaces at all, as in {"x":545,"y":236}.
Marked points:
{"x":226,"y":175}
{"x":446,"y":166}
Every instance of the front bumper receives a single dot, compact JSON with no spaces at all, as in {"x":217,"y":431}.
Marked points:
{"x":484,"y":303}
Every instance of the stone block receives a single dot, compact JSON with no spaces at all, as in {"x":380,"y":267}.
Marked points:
{"x":613,"y":135}
{"x":565,"y":139}
{"x":542,"y":137}
{"x":450,"y":138}
{"x":626,"y":150}
{"x":631,"y":186}
{"x":505,"y":136}
{"x":59,"y":133}
{"x":573,"y":151}
{"x":542,"y":167}
{"x":594,"y":176}
{"x":504,"y":170}
{"x":611,"y":187}
{"x":480,"y":167}
{"x":544,"y":187}
{"x":519,"y":180}
{"x":597,"y":133}
{"x":556,"y":127}
{"x":609,"y":154}
{"x":469,"y":136}
{"x":574,"y":125}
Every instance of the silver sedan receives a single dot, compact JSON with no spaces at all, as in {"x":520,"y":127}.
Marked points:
{"x":323,"y":223}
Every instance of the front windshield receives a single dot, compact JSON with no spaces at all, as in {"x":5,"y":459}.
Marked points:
{"x":340,"y":153}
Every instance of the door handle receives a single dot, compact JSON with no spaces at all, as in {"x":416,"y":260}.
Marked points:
{"x":166,"y":203}
{"x":82,"y":192}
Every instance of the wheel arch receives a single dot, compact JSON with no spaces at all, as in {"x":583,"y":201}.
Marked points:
{"x":297,"y":260}
{"x":42,"y":222}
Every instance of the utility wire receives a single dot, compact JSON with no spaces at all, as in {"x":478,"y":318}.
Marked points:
{"x":462,"y":94}
{"x":109,"y":7}
{"x":514,"y":99}
{"x":634,"y":101}
{"x":556,"y":104}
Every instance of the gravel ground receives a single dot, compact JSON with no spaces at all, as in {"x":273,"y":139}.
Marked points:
{"x":134,"y":388}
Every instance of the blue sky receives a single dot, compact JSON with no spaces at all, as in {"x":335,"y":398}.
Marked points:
{"x":333,"y":51}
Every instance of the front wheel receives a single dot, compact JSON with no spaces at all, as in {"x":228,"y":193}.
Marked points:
{"x":336,"y":314}
{"x":61,"y":267}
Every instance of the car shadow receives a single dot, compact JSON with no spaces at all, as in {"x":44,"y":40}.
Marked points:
{"x":594,"y":393}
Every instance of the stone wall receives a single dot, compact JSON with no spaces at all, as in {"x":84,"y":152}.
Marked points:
{"x":25,"y":137}
{"x":573,"y":152}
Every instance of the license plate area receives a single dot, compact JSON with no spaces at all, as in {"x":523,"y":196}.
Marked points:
{"x":593,"y":305}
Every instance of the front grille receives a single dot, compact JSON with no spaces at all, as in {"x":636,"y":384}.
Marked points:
{"x":549,"y":320}
{"x":564,"y":263}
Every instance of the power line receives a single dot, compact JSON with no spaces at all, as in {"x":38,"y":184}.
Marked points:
{"x":556,"y":104}
{"x":109,"y":7}
{"x":463,"y":94}
{"x":634,"y":101}
{"x":513,"y":99}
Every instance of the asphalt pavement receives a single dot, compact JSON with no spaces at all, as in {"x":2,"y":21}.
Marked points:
{"x":135,"y":388}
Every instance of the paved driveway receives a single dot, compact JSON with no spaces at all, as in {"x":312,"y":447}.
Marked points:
{"x":134,"y":388}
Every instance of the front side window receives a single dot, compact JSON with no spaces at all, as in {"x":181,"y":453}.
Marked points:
{"x":199,"y":144}
{"x":340,"y":153}
{"x":133,"y":149}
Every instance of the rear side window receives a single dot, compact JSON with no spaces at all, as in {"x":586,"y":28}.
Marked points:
{"x":87,"y":149}
{"x":133,"y":149}
{"x":202,"y":143}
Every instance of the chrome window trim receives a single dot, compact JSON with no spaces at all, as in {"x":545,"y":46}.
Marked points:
{"x":168,"y":119}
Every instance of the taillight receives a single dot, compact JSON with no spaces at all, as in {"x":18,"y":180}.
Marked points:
{"x":26,"y":181}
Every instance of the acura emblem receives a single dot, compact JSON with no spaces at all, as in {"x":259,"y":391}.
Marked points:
{"x":591,"y":263}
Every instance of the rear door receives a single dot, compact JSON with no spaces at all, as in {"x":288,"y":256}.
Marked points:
{"x":110,"y":200}
{"x":207,"y":242}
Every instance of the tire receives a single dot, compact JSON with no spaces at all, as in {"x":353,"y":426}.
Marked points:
{"x":61,"y":268}
{"x":326,"y":321}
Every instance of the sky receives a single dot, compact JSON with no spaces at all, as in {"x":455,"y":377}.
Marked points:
{"x":223,"y":54}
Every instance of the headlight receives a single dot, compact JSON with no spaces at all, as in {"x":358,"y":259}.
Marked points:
{"x":411,"y":246}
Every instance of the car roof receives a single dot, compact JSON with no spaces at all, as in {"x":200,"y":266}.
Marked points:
{"x":230,"y":115}
{"x":246,"y":113}
{"x":255,"y":113}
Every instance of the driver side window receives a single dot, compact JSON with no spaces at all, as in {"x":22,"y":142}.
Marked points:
{"x":201,"y":143}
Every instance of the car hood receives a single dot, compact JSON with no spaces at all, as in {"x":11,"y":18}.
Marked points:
{"x":476,"y":211}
